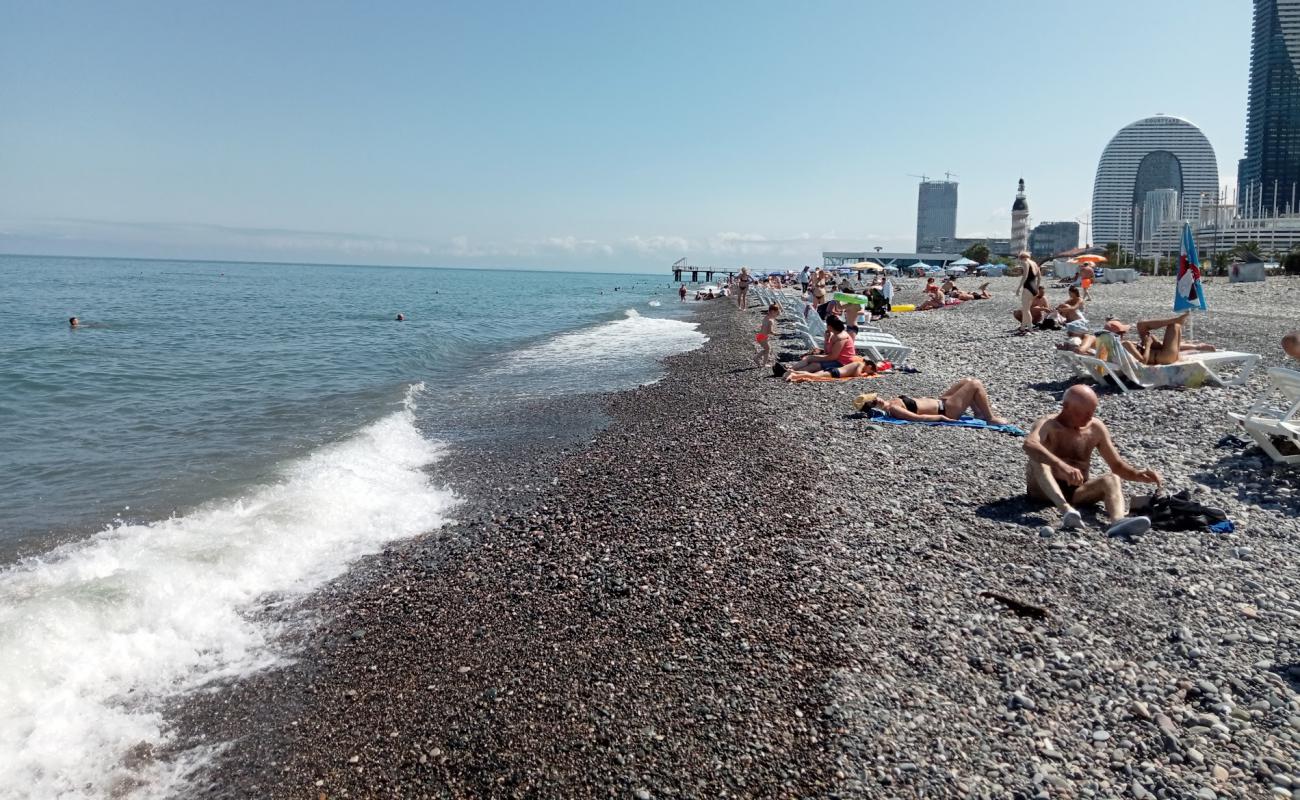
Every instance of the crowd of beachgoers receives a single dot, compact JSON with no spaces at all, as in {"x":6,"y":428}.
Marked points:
{"x":1059,"y":447}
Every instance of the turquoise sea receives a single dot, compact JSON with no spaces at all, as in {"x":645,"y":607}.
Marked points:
{"x":214,"y":434}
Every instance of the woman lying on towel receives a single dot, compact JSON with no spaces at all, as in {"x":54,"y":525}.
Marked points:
{"x":967,"y":393}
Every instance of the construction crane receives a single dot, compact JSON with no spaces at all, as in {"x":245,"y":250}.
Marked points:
{"x":948,"y":176}
{"x":924,"y":178}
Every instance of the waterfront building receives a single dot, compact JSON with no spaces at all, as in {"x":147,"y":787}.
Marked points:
{"x":1050,"y":238}
{"x":1268,"y":176}
{"x":936,"y":213}
{"x":1020,"y":221}
{"x":888,"y":259}
{"x":1159,"y":152}
{"x":1222,"y":227}
{"x":958,"y":244}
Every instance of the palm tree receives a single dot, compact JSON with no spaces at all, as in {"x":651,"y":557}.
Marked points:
{"x":1247,"y":247}
{"x":1112,"y":254}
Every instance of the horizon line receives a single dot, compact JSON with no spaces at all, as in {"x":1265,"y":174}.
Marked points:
{"x":668,"y":269}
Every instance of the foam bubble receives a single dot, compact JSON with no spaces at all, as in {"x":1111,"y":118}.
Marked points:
{"x":96,"y":637}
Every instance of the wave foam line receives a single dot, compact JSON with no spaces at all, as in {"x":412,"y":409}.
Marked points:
{"x":647,"y":338}
{"x":96,"y":636}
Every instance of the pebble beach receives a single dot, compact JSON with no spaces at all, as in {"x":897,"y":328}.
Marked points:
{"x":742,"y":588}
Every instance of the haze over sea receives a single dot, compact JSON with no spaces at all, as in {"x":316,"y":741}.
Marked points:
{"x":219,"y":432}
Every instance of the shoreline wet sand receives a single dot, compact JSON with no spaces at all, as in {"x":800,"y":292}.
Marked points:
{"x":741,"y":588}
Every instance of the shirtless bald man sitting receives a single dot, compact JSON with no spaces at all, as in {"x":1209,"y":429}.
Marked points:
{"x":1060,"y":455}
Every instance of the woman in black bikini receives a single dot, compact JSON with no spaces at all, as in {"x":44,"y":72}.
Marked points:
{"x":967,"y":393}
{"x":1028,"y":289}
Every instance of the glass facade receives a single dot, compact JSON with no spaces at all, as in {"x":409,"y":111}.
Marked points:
{"x":936,"y":214}
{"x":1267,"y":178}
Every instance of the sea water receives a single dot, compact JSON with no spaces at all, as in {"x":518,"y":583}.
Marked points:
{"x":216,"y":434}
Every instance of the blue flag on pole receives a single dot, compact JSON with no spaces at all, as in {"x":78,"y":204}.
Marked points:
{"x":1189,"y":293}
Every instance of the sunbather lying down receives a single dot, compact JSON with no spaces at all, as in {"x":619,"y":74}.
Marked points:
{"x":967,"y":393}
{"x":1168,"y":350}
{"x":857,"y":368}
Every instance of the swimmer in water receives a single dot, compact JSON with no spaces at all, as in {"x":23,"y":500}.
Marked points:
{"x":73,"y":322}
{"x":400,"y":317}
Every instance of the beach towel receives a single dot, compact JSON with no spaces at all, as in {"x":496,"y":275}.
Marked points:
{"x":806,"y":378}
{"x":965,"y":422}
{"x":882,"y":368}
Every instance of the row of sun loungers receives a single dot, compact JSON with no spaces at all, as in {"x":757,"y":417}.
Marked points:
{"x":870,"y":342}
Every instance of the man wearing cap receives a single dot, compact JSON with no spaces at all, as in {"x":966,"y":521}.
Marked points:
{"x":1060,"y":452}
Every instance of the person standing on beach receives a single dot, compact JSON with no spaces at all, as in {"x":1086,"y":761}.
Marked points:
{"x":742,"y":283}
{"x":887,"y":289}
{"x":765,"y":332}
{"x":804,"y":278}
{"x":1060,"y":452}
{"x":1029,"y":283}
{"x":1086,"y":274}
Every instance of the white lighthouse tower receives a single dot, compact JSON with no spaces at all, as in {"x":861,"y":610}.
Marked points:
{"x":1020,"y":222}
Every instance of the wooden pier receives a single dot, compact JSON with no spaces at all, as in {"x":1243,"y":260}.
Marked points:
{"x":680,"y":268}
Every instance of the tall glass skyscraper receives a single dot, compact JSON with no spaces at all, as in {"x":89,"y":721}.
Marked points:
{"x":1270,"y":172}
{"x":936,"y":214}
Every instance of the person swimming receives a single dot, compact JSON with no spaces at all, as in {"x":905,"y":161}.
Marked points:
{"x":73,"y":322}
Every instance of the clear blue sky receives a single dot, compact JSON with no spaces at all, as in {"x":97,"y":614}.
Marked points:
{"x":588,"y":135}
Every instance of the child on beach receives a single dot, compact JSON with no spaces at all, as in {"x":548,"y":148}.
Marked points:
{"x":765,"y":332}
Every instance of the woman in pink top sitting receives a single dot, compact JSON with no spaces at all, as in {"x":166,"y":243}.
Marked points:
{"x":839,"y":360}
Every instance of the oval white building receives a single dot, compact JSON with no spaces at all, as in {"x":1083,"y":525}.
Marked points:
{"x":1149,"y":155}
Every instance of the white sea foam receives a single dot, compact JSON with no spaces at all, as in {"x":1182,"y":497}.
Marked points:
{"x":96,"y":637}
{"x":654,"y":303}
{"x":634,"y":342}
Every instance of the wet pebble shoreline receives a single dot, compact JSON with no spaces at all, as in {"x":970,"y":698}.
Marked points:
{"x":742,"y":589}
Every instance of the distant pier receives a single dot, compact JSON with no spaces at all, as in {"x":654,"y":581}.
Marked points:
{"x":680,"y":268}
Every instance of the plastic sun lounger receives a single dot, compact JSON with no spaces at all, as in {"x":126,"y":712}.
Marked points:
{"x":1192,"y":371}
{"x":1244,"y":363}
{"x":883,"y":347}
{"x":1264,"y":422}
{"x":1100,"y":372}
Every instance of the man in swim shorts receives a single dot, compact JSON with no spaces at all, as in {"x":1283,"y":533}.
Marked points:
{"x":1086,"y":274}
{"x":1060,"y":452}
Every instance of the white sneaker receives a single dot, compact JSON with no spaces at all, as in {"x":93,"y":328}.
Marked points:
{"x":1130,"y":526}
{"x":1071,"y":519}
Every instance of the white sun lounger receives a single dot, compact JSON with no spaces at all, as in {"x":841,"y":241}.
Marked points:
{"x":1264,"y":421}
{"x":1194,"y":370}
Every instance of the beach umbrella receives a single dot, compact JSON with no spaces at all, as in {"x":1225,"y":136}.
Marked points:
{"x":869,"y":266}
{"x":1188,"y":293}
{"x":1091,"y":259}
